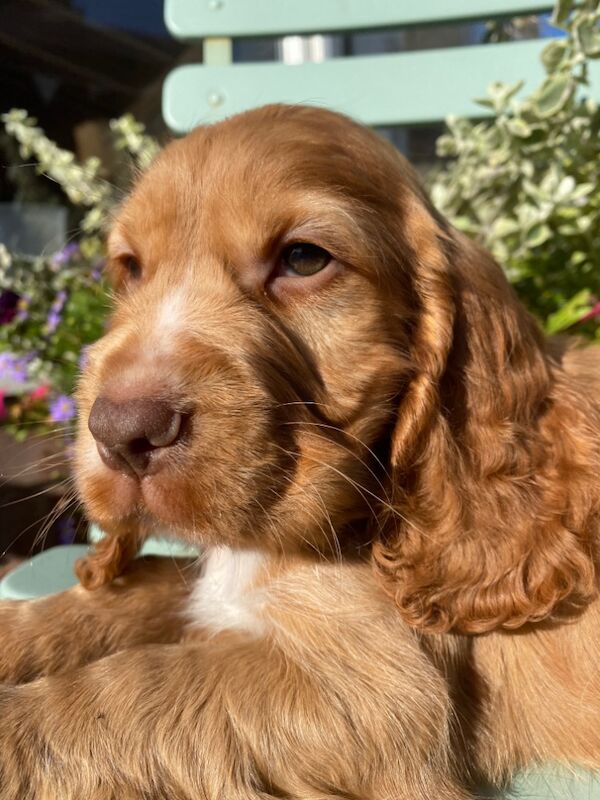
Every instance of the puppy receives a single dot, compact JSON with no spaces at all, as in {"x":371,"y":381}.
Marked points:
{"x":393,"y":478}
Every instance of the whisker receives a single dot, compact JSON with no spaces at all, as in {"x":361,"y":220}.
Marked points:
{"x":41,"y":519}
{"x":35,"y":494}
{"x":41,"y":465}
{"x":271,"y":525}
{"x":302,"y":538}
{"x":62,"y":505}
{"x":338,"y":472}
{"x":351,"y":452}
{"x":354,"y":483}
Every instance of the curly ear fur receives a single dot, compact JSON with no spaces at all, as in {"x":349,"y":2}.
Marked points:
{"x":110,"y":557}
{"x":432,"y":334}
{"x":494,"y":457}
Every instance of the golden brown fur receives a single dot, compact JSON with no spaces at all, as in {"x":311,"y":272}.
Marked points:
{"x":411,"y":465}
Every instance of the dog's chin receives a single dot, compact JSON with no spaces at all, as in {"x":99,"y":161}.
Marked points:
{"x":165,"y":500}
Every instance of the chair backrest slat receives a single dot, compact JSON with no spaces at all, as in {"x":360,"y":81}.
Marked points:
{"x":408,"y":87}
{"x":243,"y":18}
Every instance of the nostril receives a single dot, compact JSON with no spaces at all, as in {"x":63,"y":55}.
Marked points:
{"x":128,"y":433}
{"x":120,"y":459}
{"x":141,"y":446}
{"x":166,"y":432}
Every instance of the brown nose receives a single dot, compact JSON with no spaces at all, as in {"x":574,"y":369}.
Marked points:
{"x":133,"y":435}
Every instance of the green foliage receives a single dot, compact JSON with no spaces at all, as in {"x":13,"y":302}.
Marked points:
{"x":526,"y":182}
{"x":53,"y":306}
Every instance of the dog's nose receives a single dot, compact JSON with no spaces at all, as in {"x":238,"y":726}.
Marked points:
{"x":131,"y":436}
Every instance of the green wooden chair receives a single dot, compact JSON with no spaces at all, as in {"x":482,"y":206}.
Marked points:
{"x":387,"y":89}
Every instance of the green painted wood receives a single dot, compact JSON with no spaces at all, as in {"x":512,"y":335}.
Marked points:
{"x":555,"y":782}
{"x":53,"y":570}
{"x":154,"y":546}
{"x":240,"y":18}
{"x":46,"y":573}
{"x":389,"y":89}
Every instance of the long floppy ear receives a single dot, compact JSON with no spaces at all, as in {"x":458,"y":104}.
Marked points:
{"x":110,"y":556}
{"x":492,"y":463}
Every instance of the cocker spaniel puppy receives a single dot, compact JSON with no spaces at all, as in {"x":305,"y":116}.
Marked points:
{"x":392,"y":475}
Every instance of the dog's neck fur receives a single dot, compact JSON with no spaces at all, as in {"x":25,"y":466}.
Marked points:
{"x":226,"y":596}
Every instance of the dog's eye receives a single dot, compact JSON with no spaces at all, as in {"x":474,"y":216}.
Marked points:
{"x":132,"y":267}
{"x":304,"y":259}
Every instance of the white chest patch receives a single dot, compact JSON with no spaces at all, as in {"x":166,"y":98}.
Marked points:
{"x":223,"y":598}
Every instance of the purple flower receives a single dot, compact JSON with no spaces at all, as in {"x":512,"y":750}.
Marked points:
{"x":52,"y":321}
{"x":9,"y":302}
{"x":96,"y":272}
{"x":62,"y":408}
{"x":65,"y":255}
{"x":14,"y":368}
{"x":53,"y":318}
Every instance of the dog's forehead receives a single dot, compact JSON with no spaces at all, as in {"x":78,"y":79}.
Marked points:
{"x":274,"y":149}
{"x":232,"y":188}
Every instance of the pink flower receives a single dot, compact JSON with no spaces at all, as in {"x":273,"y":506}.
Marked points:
{"x":39,"y":393}
{"x":592,"y":313}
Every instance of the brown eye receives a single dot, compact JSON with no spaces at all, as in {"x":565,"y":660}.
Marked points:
{"x":133,"y":267}
{"x":304,"y":259}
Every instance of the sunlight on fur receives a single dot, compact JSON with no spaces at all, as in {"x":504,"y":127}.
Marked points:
{"x":391,"y":474}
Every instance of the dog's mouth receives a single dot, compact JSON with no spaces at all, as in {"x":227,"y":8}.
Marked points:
{"x":200,"y":474}
{"x":160,"y":497}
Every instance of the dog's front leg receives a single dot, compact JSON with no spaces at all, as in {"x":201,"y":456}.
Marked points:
{"x":103,"y":731}
{"x":226,"y":719}
{"x":60,"y":632}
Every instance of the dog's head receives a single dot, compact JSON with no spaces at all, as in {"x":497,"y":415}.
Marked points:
{"x":305,"y":357}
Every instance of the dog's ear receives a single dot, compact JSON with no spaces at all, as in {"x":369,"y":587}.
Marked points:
{"x":491,"y":519}
{"x":110,"y":557}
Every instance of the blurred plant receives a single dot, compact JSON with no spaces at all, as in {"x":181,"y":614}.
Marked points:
{"x":53,"y":306}
{"x":526,"y":182}
{"x":510,"y":30}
